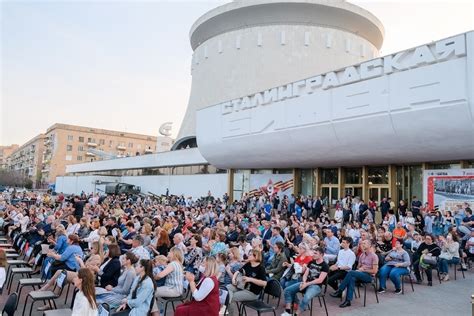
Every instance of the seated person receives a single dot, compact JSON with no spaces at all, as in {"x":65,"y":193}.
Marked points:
{"x":254,"y":280}
{"x":425,"y":248}
{"x":314,"y":275}
{"x":115,"y":294}
{"x":125,"y":240}
{"x":345,"y":260}
{"x":275,"y":269}
{"x":366,"y":270}
{"x":396,"y":264}
{"x":205,"y":294}
{"x":159,"y":264}
{"x":331,"y":245}
{"x":109,"y":271}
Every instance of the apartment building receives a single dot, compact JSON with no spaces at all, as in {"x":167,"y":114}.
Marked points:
{"x":5,"y":152}
{"x":68,"y":144}
{"x":28,"y":158}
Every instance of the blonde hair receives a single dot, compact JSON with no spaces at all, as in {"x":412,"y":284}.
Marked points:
{"x":102,"y":231}
{"x":99,"y":248}
{"x":146,"y":229}
{"x":257,"y":254}
{"x":211,"y":267}
{"x":177,"y":254}
{"x":236,"y":253}
{"x":161,"y":258}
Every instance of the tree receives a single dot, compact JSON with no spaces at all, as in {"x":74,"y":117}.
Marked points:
{"x":14,"y":179}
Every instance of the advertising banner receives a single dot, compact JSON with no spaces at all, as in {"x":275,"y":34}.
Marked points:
{"x":447,"y":189}
{"x":271,"y":184}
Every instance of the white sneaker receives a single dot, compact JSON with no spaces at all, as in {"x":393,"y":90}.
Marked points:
{"x":286,"y":314}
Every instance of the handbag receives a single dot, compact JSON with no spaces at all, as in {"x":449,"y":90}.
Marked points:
{"x":428,"y":260}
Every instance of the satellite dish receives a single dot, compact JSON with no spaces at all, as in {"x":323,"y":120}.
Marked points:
{"x":165,"y":129}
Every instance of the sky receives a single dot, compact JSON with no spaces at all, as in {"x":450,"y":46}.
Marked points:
{"x":125,"y":65}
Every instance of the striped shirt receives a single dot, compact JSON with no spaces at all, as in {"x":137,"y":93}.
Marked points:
{"x":176,"y":277}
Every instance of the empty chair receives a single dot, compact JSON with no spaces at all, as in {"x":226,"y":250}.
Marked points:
{"x":10,"y":305}
{"x":49,"y":296}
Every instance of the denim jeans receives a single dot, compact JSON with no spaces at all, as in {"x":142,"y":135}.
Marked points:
{"x":310,"y":292}
{"x":393,"y":273}
{"x":286,"y":283}
{"x":443,"y":264}
{"x":349,"y":282}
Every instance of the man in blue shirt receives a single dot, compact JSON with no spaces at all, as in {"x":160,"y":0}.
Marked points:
{"x":276,"y":237}
{"x":332,"y":246}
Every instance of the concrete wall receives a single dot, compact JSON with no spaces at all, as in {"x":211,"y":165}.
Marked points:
{"x":75,"y":185}
{"x":189,"y":185}
{"x":269,"y":51}
{"x":412,"y":106}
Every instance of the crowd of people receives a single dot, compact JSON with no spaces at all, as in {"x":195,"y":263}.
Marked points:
{"x":136,"y":252}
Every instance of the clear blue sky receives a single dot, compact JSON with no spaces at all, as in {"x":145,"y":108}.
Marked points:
{"x":126,"y":65}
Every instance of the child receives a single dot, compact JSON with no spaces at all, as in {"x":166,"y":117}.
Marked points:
{"x":159,"y":264}
{"x":221,"y":262}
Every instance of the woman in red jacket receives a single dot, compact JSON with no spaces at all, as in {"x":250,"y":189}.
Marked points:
{"x":205,"y":294}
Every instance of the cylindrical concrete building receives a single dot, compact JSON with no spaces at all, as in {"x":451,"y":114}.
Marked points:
{"x":248,"y":46}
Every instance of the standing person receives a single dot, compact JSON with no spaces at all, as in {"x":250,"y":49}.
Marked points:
{"x":205,"y":294}
{"x":384,"y":208}
{"x":366,"y":270}
{"x":141,"y":296}
{"x":78,"y":208}
{"x":415,"y":206}
{"x":84,"y":303}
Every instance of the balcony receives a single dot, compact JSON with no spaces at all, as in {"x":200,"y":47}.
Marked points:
{"x":91,"y":144}
{"x":89,"y":154}
{"x":148,"y":151}
{"x":45,"y":171}
{"x":120,"y":147}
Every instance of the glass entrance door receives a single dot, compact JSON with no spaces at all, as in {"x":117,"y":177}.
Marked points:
{"x":353,"y":191}
{"x":330,"y":195}
{"x":378,"y":193}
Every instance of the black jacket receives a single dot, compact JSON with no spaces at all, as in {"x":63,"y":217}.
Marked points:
{"x":111,"y":273}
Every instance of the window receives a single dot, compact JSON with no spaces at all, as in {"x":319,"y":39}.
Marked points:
{"x":353,"y":175}
{"x":79,"y":158}
{"x":378,"y":175}
{"x":69,"y":148}
{"x":101,"y":141}
{"x":111,"y":142}
{"x":70,"y":138}
{"x":130,"y":145}
{"x":329,"y":176}
{"x":80,"y":148}
{"x":91,"y":140}
{"x":68,"y":157}
{"x":81,"y":139}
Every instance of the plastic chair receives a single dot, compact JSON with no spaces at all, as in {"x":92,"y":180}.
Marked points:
{"x":49,"y":296}
{"x":10,"y":305}
{"x":172,"y":300}
{"x":372,"y":283}
{"x":273,"y":288}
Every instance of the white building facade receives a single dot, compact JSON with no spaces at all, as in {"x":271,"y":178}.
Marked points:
{"x":292,"y":96}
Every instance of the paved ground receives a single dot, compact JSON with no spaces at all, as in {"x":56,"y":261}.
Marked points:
{"x":451,"y":298}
